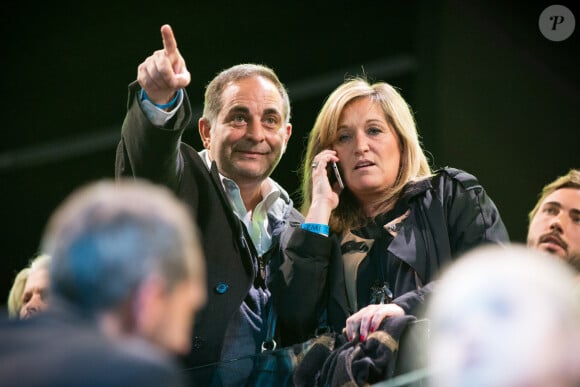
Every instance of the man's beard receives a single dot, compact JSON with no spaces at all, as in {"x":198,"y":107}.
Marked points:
{"x":574,"y":261}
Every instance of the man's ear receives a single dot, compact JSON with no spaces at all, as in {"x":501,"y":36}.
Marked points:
{"x":148,"y":305}
{"x":288,"y":134}
{"x":204,"y":132}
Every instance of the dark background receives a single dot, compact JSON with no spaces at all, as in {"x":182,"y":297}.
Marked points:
{"x":490,"y":93}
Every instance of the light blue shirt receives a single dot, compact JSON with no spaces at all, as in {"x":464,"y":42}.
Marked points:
{"x":256,"y":220}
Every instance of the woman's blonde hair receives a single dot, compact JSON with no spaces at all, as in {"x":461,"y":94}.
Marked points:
{"x":414,"y":165}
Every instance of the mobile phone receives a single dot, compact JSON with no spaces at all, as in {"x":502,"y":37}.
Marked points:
{"x":334,"y":175}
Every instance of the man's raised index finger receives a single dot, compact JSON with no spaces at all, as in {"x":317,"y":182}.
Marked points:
{"x":169,"y":43}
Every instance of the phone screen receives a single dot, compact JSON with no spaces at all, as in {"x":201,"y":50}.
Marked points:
{"x":334,"y":175}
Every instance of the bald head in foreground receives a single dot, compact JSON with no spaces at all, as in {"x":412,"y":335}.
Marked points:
{"x":505,"y":317}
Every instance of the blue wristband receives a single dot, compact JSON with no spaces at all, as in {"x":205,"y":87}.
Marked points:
{"x":167,"y":105}
{"x":317,"y":228}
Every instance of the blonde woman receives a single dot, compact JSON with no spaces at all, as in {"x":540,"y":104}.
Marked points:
{"x":29,"y":291}
{"x":371,"y":250}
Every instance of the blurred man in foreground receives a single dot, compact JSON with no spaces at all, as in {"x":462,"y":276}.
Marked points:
{"x":126,"y":277}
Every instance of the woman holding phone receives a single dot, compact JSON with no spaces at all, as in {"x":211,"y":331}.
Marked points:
{"x":371,"y":250}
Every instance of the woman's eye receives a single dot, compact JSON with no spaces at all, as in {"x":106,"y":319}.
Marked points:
{"x":374,"y":130}
{"x":343,"y":137}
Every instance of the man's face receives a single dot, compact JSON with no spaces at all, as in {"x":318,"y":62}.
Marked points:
{"x":556,"y":226}
{"x":249,"y":135}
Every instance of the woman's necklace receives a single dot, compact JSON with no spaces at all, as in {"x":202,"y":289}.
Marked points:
{"x":380,"y":292}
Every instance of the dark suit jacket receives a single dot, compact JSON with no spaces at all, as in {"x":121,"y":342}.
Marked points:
{"x":65,"y":350}
{"x":157,"y":154}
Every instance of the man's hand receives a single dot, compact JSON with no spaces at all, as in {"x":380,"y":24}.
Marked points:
{"x":164,"y":72}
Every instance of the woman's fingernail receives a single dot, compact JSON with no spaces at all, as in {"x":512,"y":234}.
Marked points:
{"x":372,"y":329}
{"x":362,"y":338}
